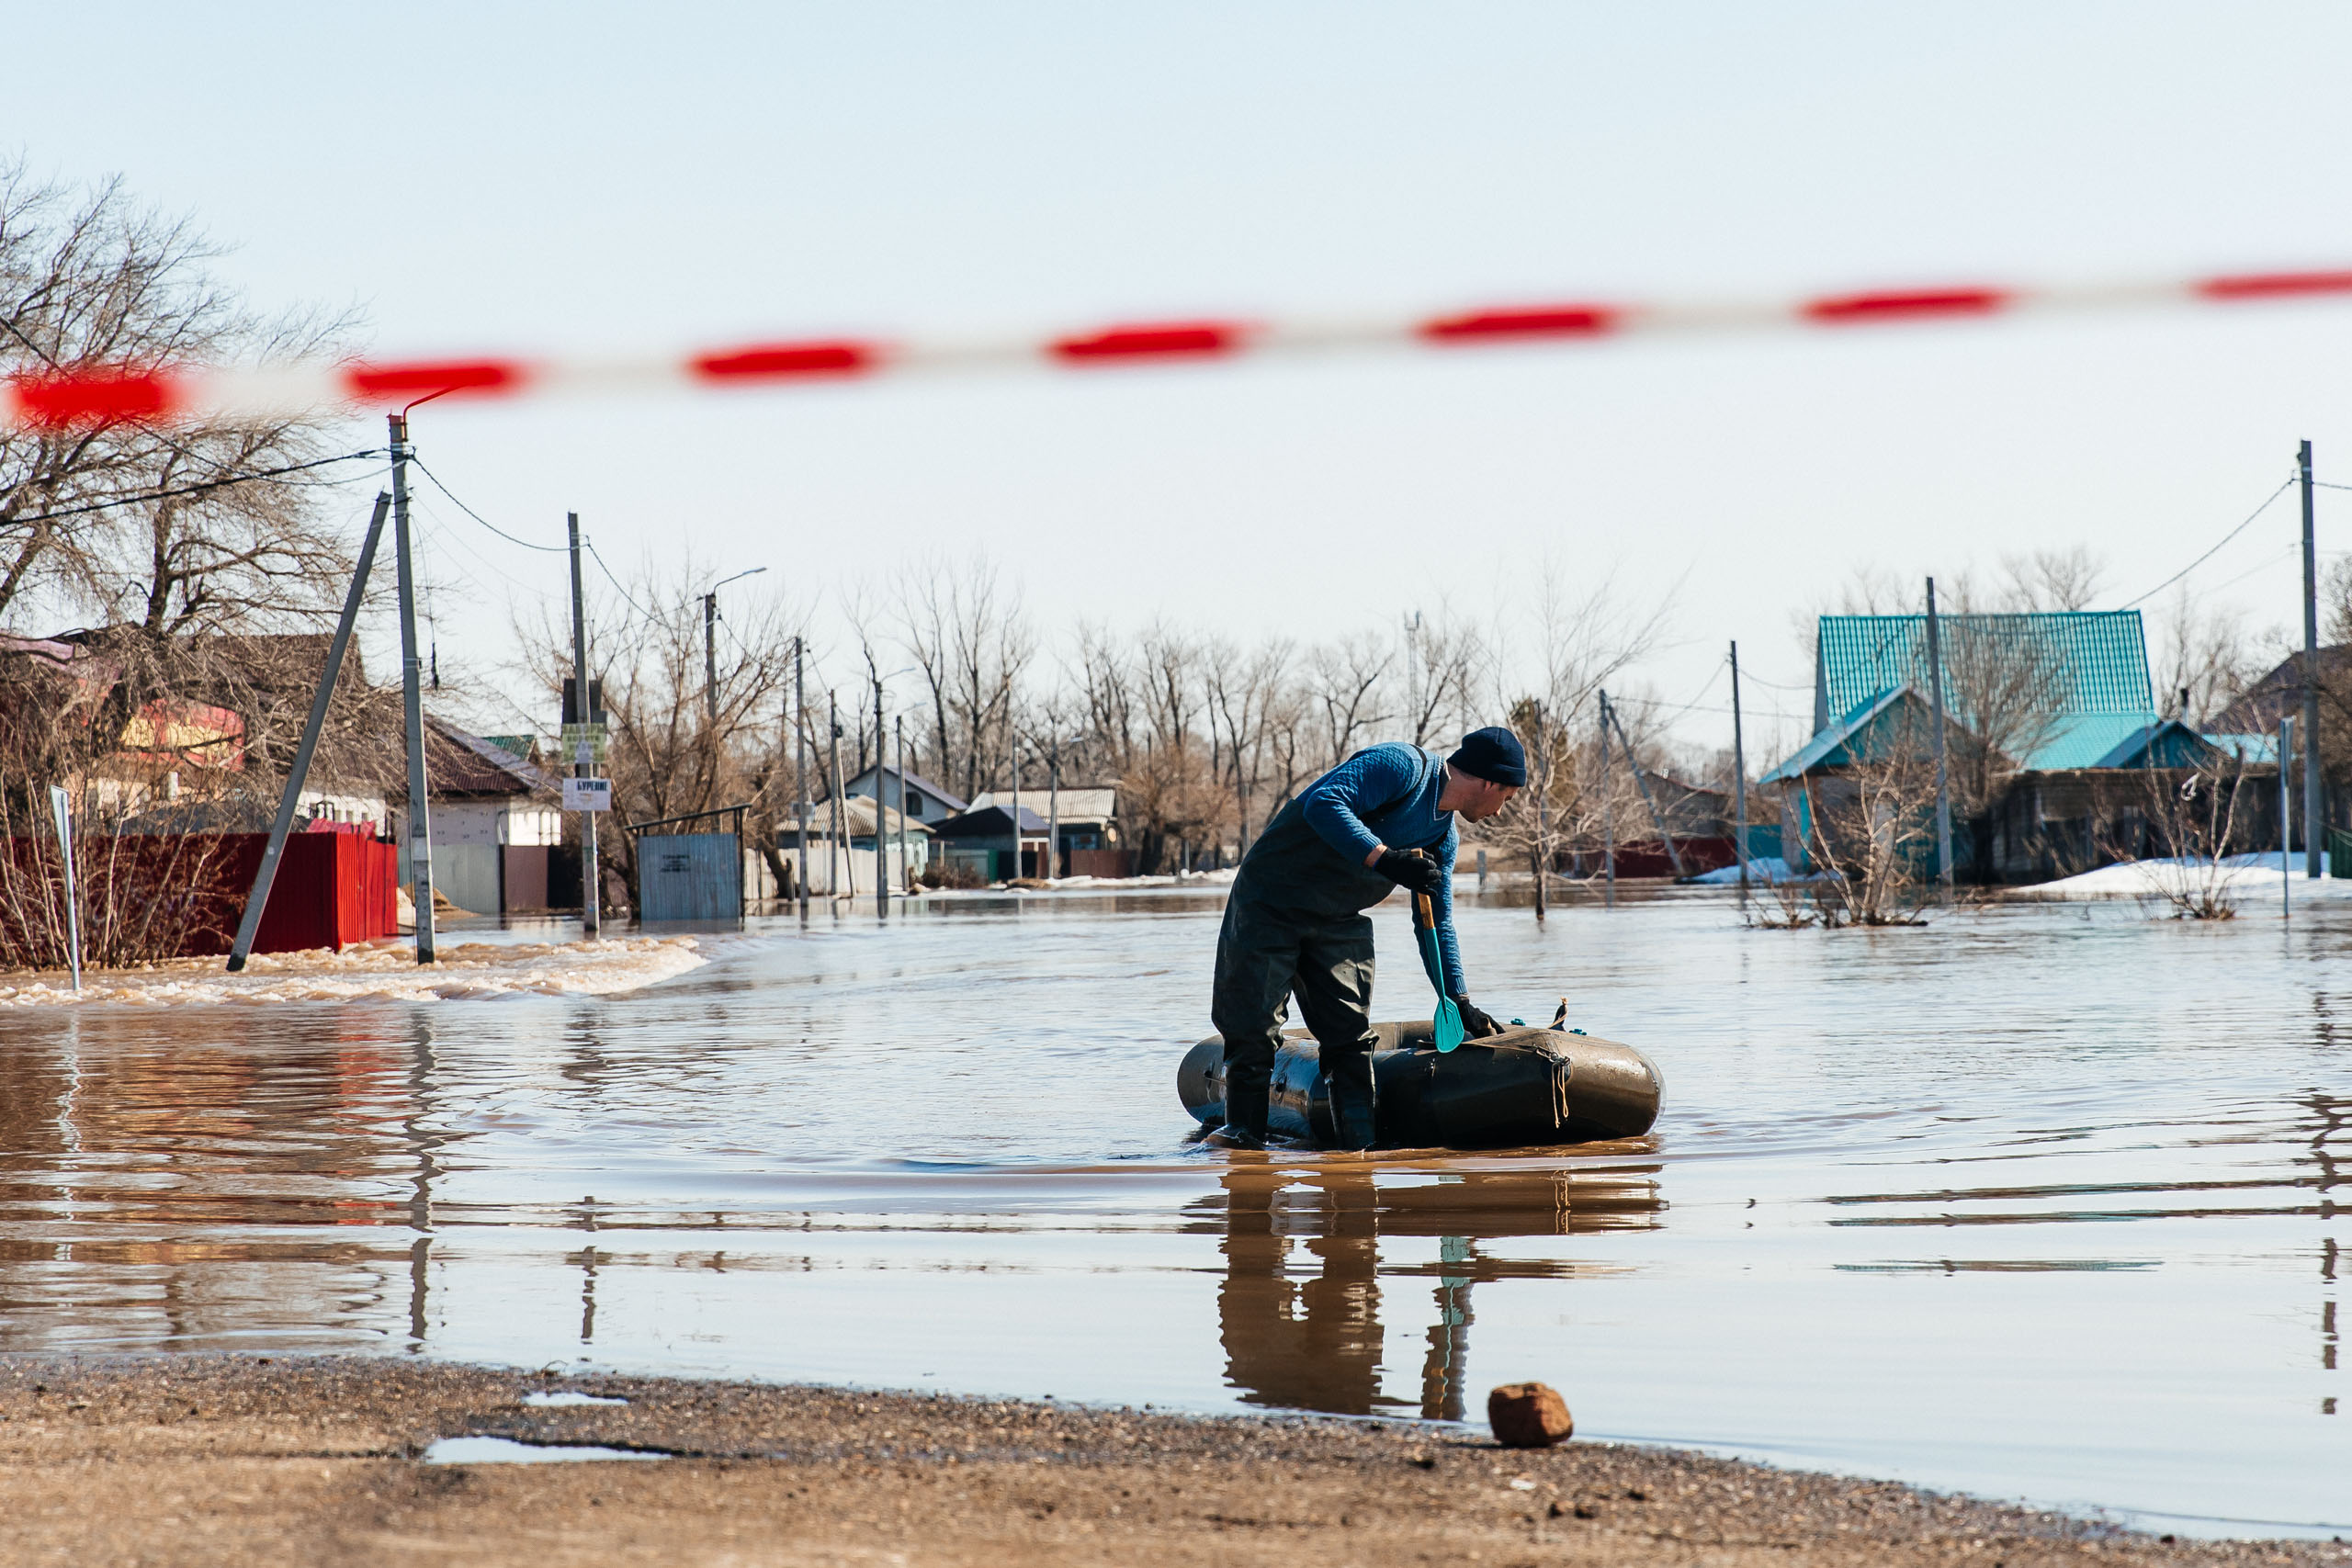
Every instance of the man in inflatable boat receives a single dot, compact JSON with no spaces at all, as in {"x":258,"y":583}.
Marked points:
{"x":1295,"y":922}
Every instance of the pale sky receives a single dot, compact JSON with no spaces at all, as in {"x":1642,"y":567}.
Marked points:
{"x":481,"y":178}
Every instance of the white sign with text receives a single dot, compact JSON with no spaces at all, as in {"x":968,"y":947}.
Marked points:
{"x":587,"y":795}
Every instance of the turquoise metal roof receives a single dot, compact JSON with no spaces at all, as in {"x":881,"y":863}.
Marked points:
{"x":2099,"y":658}
{"x":2095,"y":663}
{"x":1848,"y":739}
{"x":2252,"y":747}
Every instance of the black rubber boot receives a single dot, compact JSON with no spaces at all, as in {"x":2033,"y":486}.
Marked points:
{"x":1354,"y":1098}
{"x":1245,"y":1113}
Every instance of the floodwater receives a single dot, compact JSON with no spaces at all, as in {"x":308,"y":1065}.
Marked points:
{"x":2045,"y":1202}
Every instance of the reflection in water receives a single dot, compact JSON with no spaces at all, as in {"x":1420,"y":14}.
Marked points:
{"x":1299,"y":1310}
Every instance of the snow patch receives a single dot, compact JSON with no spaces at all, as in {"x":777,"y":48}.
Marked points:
{"x":1760,"y":868}
{"x":379,"y":971}
{"x":2241,"y":877}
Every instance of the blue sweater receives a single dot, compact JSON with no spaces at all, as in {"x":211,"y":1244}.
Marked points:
{"x":1387,"y":794}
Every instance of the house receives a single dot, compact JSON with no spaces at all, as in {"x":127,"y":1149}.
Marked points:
{"x":847,"y":867}
{"x":982,"y":842}
{"x":1086,"y":818}
{"x":921,"y":799}
{"x":497,"y":825}
{"x":2051,"y":735}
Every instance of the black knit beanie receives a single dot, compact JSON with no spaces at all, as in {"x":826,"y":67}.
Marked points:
{"x":1494,"y":754}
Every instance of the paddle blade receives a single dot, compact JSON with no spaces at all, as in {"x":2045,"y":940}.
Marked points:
{"x":1448,"y":1024}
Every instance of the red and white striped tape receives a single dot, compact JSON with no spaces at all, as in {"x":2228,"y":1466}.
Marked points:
{"x":101,"y":394}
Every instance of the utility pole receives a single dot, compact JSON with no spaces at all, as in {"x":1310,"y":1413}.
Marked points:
{"x":1054,"y":808}
{"x":1608,"y":827}
{"x":1012,"y":768}
{"x":904,"y":865}
{"x":1738,"y":778}
{"x":710,"y":658}
{"x":2314,"y":785}
{"x":881,"y":800}
{"x":1943,"y":794}
{"x":2286,"y":836}
{"x":420,"y":816}
{"x":1542,"y":832}
{"x":836,"y":818}
{"x":249,"y":924}
{"x":801,"y":810}
{"x":1013,"y":762}
{"x":591,"y":913}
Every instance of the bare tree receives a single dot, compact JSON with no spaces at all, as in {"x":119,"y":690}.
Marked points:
{"x":2202,"y":655}
{"x":89,"y":278}
{"x":1582,"y":642}
{"x":2070,"y":577}
{"x":1247,"y":691}
{"x":968,"y":634}
{"x":1343,"y":680}
{"x":1444,"y":659}
{"x":668,"y":757}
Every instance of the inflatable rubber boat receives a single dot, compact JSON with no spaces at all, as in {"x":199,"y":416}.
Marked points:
{"x":1526,"y":1086}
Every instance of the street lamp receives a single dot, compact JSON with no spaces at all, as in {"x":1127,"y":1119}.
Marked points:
{"x":710,"y":641}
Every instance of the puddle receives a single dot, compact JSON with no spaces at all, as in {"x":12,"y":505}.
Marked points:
{"x":565,"y":1397}
{"x":506,"y":1450}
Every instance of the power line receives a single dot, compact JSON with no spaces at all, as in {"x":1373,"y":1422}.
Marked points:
{"x":616,"y":582}
{"x":2284,"y":486}
{"x":191,"y":490}
{"x":428,"y":473}
{"x":443,"y":537}
{"x":2261,"y":567}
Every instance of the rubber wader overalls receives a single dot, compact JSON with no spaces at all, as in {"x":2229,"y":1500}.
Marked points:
{"x":1295,"y":925}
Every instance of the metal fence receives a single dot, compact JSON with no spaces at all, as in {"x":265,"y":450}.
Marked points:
{"x":694,"y":877}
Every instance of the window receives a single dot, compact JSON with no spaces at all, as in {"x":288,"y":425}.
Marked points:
{"x":912,"y":804}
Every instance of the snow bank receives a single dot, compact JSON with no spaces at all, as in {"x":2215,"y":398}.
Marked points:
{"x":2242,"y":877}
{"x":1760,"y":868}
{"x":386,"y":971}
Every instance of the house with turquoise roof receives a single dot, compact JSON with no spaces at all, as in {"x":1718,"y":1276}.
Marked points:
{"x":2055,"y":711}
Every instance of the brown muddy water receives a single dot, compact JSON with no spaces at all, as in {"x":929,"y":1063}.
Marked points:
{"x":2045,"y":1202}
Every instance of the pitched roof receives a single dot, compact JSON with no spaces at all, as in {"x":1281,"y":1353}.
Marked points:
{"x":2092,"y":665}
{"x":2280,"y":693}
{"x":1098,"y":803}
{"x":2097,"y":660}
{"x":989,"y":822}
{"x":1848,"y":741}
{"x":859,"y":819}
{"x":459,"y":764}
{"x":946,"y":797}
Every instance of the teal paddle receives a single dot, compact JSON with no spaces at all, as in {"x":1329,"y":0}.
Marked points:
{"x":1447,"y":1022}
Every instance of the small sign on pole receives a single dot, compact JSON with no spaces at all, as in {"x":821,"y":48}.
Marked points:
{"x":585,"y":743}
{"x":587,"y":795}
{"x":62,"y":809}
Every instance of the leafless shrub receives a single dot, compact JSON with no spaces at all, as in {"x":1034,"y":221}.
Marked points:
{"x":2192,"y":815}
{"x":1869,"y":828}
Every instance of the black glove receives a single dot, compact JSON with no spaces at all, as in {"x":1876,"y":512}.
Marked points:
{"x":1411,"y":870}
{"x":1477,"y":1022}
